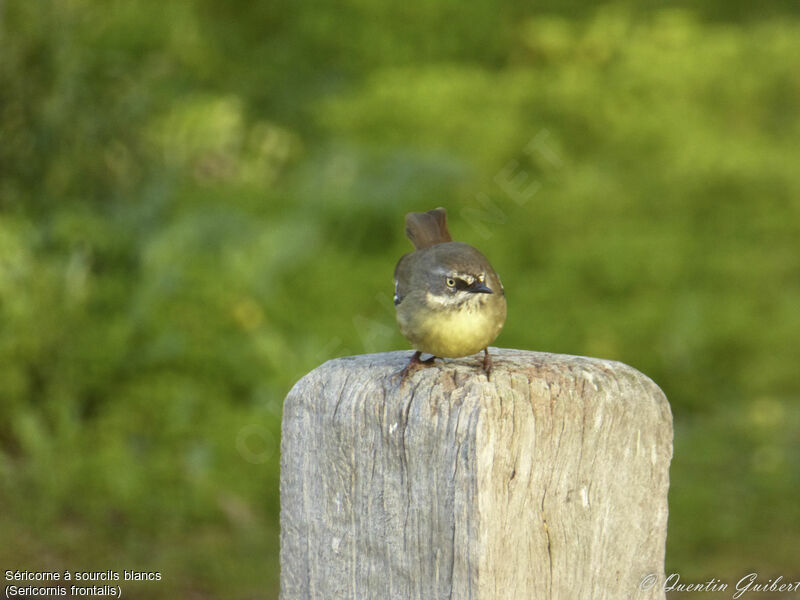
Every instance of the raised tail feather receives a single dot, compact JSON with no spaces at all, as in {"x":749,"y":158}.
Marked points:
{"x":428,"y":228}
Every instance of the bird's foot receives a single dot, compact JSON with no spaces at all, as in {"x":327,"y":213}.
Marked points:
{"x":415,"y":364}
{"x":487,"y":362}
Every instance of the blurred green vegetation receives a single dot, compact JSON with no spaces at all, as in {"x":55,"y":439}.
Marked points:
{"x":201,"y":201}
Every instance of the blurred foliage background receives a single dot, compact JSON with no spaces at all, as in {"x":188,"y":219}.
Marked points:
{"x":200,"y":201}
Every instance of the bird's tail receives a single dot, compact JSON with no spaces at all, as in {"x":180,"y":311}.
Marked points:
{"x":428,"y":228}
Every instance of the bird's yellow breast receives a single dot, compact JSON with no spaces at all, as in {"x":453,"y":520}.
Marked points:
{"x":454,"y":331}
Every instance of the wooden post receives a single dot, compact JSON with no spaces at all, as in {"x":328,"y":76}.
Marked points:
{"x":547,"y":482}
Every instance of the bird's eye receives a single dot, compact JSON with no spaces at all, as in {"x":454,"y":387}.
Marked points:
{"x":450,"y":282}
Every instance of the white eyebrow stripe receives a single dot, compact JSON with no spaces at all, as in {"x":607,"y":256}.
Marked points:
{"x":466,"y":277}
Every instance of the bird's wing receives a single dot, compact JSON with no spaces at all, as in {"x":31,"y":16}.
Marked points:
{"x":402,"y":278}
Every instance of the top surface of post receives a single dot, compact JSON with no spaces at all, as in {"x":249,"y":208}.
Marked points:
{"x":508,"y":363}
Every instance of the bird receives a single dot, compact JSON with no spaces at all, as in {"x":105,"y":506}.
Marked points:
{"x":449,"y":300}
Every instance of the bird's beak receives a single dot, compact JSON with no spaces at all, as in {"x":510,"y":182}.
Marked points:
{"x":480,"y":288}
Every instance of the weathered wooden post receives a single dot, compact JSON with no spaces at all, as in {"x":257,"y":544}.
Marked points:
{"x":547,"y":482}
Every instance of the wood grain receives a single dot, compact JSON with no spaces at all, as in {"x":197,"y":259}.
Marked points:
{"x":549,"y":481}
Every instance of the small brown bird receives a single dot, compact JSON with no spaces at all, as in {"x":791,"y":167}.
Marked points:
{"x":449,"y":300}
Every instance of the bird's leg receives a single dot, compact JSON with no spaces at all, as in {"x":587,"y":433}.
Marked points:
{"x":487,"y":362}
{"x":415,"y":364}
